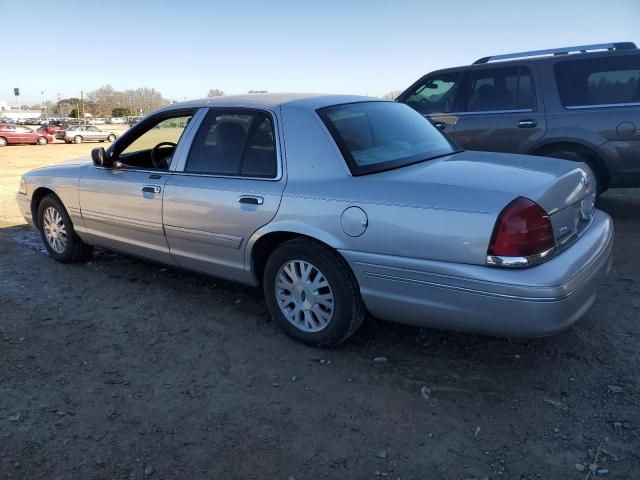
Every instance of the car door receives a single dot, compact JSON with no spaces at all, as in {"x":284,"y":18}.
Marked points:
{"x":228,"y":186}
{"x":93,"y":133}
{"x":437,"y":97}
{"x":122,"y":206}
{"x":502,"y":111}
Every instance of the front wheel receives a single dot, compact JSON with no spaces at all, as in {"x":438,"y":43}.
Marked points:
{"x":77,"y":139}
{"x":312,"y":293}
{"x":42,"y":141}
{"x":3,"y":142}
{"x":57,"y":232}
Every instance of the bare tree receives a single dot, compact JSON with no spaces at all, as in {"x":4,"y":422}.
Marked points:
{"x":215,"y":92}
{"x":392,"y":95}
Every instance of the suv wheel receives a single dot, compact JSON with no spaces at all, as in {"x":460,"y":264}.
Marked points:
{"x":579,"y":157}
{"x":312,"y":293}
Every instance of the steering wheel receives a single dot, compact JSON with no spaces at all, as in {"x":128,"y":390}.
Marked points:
{"x":161,"y":162}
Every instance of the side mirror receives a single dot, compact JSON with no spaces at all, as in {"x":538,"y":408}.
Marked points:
{"x":97,"y":155}
{"x":101,"y":158}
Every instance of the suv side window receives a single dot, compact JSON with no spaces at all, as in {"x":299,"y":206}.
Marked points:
{"x":498,"y":89}
{"x":239,"y":144}
{"x":599,"y":81}
{"x":436,"y":94}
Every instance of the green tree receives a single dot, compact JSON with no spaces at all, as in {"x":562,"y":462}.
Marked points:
{"x":121,"y":112}
{"x":74,"y":113}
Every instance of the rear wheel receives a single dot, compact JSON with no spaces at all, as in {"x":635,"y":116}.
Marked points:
{"x":600,"y":187}
{"x":77,"y":139}
{"x":42,"y":141}
{"x":3,"y":142}
{"x":111,"y":138}
{"x":57,"y":232}
{"x":312,"y":293}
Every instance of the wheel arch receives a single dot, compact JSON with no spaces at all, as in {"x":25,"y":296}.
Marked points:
{"x":36,"y":197}
{"x":580,"y":148}
{"x":262,"y":244}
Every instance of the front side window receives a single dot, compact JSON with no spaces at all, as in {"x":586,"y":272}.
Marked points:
{"x":599,"y":81}
{"x":499,"y":89}
{"x":151,"y":144}
{"x":437,"y":94}
{"x":234,"y":143}
{"x":378,"y":136}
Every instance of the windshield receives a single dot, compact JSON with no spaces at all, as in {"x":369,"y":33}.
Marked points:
{"x":376,"y":136}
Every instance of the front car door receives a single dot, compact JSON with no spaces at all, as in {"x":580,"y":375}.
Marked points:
{"x":93,"y":133}
{"x":122,"y":206}
{"x":228,"y":185}
{"x":437,"y":97}
{"x":502,"y":112}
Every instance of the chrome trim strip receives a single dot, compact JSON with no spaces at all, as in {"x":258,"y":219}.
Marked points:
{"x":603,"y":105}
{"x":487,"y":112}
{"x":229,"y":241}
{"x":121,"y":221}
{"x":519,"y":262}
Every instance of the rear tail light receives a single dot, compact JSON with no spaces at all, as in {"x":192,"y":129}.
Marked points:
{"x":522,"y":235}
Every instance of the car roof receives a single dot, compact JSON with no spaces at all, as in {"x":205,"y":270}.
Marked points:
{"x":305,"y":101}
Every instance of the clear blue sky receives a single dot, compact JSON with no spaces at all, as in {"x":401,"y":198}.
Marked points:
{"x":184,"y":48}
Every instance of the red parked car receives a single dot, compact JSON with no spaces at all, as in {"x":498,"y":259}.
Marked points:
{"x":19,"y":134}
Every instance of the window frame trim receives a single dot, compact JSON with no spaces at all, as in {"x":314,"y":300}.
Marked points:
{"x":181,"y":164}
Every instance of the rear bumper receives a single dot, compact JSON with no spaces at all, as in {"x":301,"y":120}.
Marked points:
{"x":529,"y":302}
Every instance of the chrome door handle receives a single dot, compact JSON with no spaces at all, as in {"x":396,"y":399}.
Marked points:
{"x":440,"y":125}
{"x":527,"y":123}
{"x":251,"y":200}
{"x":151,"y":188}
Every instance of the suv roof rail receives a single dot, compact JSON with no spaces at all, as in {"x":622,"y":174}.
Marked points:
{"x":560,"y":51}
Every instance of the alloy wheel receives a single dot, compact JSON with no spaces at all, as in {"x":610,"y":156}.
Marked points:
{"x":304,"y":296}
{"x":54,"y":230}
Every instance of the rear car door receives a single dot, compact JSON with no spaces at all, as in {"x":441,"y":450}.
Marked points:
{"x":502,"y":112}
{"x":93,"y":133}
{"x":437,"y":97}
{"x":122,"y":206}
{"x":230,"y":185}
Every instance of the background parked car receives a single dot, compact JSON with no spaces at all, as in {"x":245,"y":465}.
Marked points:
{"x":578,"y":103}
{"x":81,"y":133}
{"x":16,"y":134}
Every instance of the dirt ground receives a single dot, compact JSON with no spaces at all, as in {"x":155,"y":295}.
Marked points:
{"x":122,"y":369}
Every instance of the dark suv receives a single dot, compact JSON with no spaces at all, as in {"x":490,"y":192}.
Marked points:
{"x":578,"y":103}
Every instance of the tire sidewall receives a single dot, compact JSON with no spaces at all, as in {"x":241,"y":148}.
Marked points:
{"x":340,"y":281}
{"x":77,"y":139}
{"x":68,"y":254}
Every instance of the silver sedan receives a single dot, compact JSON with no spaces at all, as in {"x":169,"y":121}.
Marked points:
{"x":337,"y":206}
{"x":81,"y":133}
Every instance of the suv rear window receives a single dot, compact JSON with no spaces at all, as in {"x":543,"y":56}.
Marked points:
{"x":377,"y":136}
{"x":599,"y":81}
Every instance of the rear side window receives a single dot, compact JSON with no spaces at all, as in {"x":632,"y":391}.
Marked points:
{"x":506,"y":88}
{"x":599,"y":81}
{"x":436,"y":94}
{"x":238,"y":144}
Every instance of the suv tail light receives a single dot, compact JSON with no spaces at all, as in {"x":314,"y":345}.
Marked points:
{"x":522,"y":233}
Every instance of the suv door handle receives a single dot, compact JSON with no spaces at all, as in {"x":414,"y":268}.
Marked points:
{"x":440,"y":125}
{"x":527,"y":124}
{"x":251,"y":200}
{"x":151,"y":189}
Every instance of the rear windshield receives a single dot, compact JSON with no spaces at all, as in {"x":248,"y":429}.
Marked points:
{"x":599,"y":81}
{"x":376,"y":136}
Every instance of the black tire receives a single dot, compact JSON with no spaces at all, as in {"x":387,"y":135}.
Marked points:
{"x":348,"y":308}
{"x":77,"y":139}
{"x":76,"y":250}
{"x":3,"y":142}
{"x":579,"y":157}
{"x":111,"y":138}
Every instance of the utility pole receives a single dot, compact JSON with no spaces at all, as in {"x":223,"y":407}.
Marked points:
{"x":44,"y":107}
{"x":82,"y":103}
